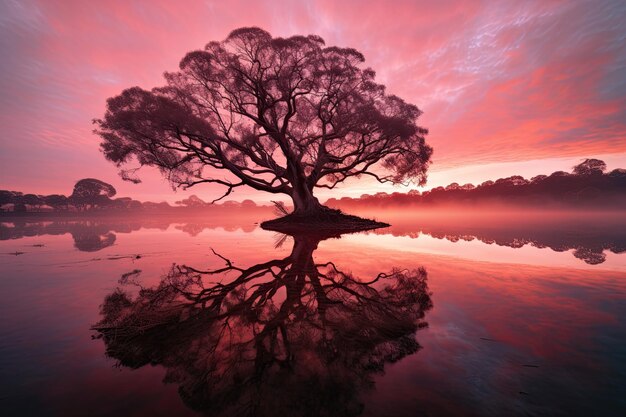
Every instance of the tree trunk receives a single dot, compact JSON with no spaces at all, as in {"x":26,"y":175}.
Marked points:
{"x":304,"y":203}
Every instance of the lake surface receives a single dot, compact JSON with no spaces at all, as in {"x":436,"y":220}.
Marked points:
{"x":433,"y":316}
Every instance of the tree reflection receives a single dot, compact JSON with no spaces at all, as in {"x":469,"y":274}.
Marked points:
{"x":90,"y":241}
{"x":589,"y":239}
{"x":94,"y":235}
{"x":286,"y":337}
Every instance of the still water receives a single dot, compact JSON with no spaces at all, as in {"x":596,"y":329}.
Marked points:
{"x":432,"y":317}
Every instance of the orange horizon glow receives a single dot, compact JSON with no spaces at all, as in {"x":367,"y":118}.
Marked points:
{"x":507,"y":88}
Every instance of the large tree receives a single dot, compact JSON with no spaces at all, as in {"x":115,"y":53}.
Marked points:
{"x":281,"y":115}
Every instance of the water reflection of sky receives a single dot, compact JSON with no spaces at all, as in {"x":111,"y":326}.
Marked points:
{"x":547,"y":241}
{"x":512,"y":331}
{"x":477,"y":250}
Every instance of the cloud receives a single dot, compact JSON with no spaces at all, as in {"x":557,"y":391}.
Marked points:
{"x":498,"y":81}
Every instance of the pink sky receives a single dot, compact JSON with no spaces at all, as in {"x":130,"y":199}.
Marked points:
{"x":507,"y":87}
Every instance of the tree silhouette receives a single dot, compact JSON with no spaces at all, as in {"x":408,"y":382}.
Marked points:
{"x":33,"y":200}
{"x":191,"y":201}
{"x":590,"y":167}
{"x":10,"y":197}
{"x":280,"y":115}
{"x":588,"y":187}
{"x":56,"y":201}
{"x":90,"y":193}
{"x":87,"y":239}
{"x":286,"y":337}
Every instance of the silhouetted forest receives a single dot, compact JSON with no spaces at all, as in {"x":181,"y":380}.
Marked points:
{"x":94,"y":196}
{"x":587,"y":186}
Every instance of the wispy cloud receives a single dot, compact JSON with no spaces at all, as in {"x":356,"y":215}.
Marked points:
{"x":498,"y":81}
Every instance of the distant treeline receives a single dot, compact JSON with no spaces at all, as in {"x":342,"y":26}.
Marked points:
{"x":589,"y":238}
{"x":92,"y":196}
{"x":587,"y":186}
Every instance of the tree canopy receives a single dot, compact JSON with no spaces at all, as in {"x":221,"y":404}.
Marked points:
{"x":587,"y":187}
{"x":90,"y":192}
{"x":590,"y":166}
{"x":281,"y":115}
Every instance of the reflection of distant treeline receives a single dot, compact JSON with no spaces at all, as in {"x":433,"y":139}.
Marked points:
{"x":96,"y":234}
{"x":588,"y":186}
{"x":92,"y":195}
{"x":588,"y":236}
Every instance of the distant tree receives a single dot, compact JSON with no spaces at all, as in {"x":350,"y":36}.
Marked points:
{"x":9,"y":197}
{"x":162,"y":206}
{"x":514,"y":180}
{"x":618,"y":173}
{"x":56,"y":201}
{"x":6,"y":197}
{"x":192,"y":201}
{"x":122,"y":202}
{"x":32,"y":200}
{"x":126,"y":203}
{"x":590,"y":167}
{"x":91,"y":193}
{"x":248,"y":204}
{"x":560,"y":188}
{"x":137,"y":205}
{"x":281,"y":115}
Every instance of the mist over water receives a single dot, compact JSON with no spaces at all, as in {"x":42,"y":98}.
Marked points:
{"x":443,"y":313}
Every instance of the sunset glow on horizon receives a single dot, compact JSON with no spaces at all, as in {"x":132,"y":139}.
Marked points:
{"x":507,"y":88}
